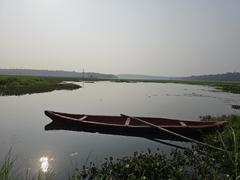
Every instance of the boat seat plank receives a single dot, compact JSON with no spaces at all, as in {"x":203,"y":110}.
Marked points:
{"x":182,"y":123}
{"x":127,"y":121}
{"x":82,"y":118}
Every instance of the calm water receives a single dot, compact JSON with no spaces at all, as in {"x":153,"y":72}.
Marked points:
{"x":22,"y":120}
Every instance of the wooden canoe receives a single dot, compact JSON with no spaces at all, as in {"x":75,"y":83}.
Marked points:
{"x":122,"y":125}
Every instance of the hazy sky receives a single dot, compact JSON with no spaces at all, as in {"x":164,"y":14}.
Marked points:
{"x":155,"y":37}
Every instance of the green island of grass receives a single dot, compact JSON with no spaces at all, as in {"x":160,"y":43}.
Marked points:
{"x":198,"y":162}
{"x":20,"y":85}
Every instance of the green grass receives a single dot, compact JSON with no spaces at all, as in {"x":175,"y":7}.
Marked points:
{"x":6,"y":167}
{"x":19,"y":85}
{"x":229,"y":140}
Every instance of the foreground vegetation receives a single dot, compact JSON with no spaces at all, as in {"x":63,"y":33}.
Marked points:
{"x":196,"y":163}
{"x":19,"y":85}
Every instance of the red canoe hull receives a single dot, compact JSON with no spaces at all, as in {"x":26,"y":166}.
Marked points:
{"x":122,"y":125}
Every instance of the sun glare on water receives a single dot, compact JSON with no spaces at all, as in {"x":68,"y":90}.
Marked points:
{"x":44,"y":164}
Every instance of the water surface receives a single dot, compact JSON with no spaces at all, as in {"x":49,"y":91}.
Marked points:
{"x":22,"y":120}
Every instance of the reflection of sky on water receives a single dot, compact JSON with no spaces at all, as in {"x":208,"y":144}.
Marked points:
{"x":22,"y":120}
{"x":44,"y":164}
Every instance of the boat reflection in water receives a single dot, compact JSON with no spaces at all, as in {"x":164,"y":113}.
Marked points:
{"x":55,"y":125}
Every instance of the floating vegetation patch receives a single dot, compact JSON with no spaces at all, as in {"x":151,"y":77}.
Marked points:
{"x":190,"y":95}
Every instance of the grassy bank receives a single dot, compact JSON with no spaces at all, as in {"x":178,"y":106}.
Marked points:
{"x":196,"y":163}
{"x":19,"y":85}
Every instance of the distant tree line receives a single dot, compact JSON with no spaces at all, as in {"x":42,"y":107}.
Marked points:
{"x":230,"y":76}
{"x":32,"y":72}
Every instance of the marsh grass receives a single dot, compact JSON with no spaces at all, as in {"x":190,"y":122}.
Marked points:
{"x":6,"y":167}
{"x":228,"y":139}
{"x":19,"y":85}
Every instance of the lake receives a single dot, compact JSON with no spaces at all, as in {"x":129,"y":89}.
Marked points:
{"x":22,"y":120}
